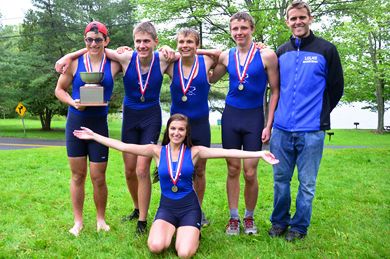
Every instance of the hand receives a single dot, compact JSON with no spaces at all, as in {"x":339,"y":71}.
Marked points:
{"x":63,"y":64}
{"x":168,"y":53}
{"x":123,"y":49}
{"x":266,"y":135}
{"x":77,"y":105}
{"x":269,"y":158}
{"x":85,"y":133}
{"x":260,"y":45}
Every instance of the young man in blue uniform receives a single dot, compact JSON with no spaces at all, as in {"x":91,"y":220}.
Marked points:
{"x":189,"y":93}
{"x":311,"y":85}
{"x":96,"y":117}
{"x":243,"y":118}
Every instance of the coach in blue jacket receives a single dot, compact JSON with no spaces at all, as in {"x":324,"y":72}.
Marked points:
{"x":312,"y":84}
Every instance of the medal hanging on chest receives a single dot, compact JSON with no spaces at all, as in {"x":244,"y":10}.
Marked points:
{"x":191,"y":76}
{"x":179,"y":164}
{"x":143,"y":86}
{"x":88,"y":65}
{"x":242,"y":74}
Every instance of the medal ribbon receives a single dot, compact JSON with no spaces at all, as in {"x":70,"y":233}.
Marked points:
{"x":241,"y":76}
{"x":179,"y":163}
{"x":88,"y":64}
{"x":138,"y":66}
{"x":190,"y":77}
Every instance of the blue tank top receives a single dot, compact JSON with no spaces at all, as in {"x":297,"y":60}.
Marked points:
{"x":132,"y":87}
{"x":254,"y":83}
{"x":197,"y":105}
{"x":184,"y":183}
{"x":108,"y":83}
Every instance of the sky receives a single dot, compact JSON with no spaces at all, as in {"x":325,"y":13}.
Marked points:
{"x":13,"y":11}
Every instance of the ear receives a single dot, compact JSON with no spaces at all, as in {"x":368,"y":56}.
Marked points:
{"x":156,"y":41}
{"x":107,"y":41}
{"x":253,"y":29}
{"x":310,"y":19}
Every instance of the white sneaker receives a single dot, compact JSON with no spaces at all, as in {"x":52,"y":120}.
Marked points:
{"x":233,"y":228}
{"x":249,"y":226}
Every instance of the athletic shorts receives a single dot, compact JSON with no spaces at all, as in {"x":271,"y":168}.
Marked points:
{"x":200,"y":131}
{"x":242,"y":128}
{"x":141,"y":126}
{"x":183,"y":212}
{"x":76,"y":147}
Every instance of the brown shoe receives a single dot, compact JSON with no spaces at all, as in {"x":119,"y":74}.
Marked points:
{"x":276,"y":231}
{"x":293,"y":235}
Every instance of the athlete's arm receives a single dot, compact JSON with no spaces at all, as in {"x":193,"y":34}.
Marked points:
{"x":63,"y":84}
{"x":63,"y":63}
{"x":270,"y":61}
{"x":123,"y":58}
{"x":220,"y":70}
{"x":212,"y":53}
{"x":205,"y":152}
{"x":168,"y":54}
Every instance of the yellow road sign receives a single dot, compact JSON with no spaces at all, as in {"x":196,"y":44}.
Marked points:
{"x":20,"y":109}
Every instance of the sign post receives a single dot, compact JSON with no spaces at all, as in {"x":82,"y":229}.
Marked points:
{"x":21,"y":110}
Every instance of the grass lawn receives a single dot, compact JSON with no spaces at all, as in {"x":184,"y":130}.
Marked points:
{"x":350,"y":219}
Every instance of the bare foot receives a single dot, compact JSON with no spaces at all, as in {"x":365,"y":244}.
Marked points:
{"x":101,"y":224}
{"x":76,"y":229}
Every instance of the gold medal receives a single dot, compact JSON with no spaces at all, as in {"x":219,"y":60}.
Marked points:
{"x":174,"y":188}
{"x":142,"y":98}
{"x":184,"y":98}
{"x":241,"y":87}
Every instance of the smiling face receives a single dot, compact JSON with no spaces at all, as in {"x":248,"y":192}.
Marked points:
{"x":144,"y":44}
{"x":186,"y":45}
{"x":241,"y":32}
{"x":93,"y":47}
{"x":177,"y":131}
{"x":299,"y":20}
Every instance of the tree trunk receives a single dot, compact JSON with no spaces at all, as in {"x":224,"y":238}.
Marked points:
{"x":46,"y":119}
{"x":381,"y":104}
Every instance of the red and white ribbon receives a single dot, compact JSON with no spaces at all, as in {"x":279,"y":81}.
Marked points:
{"x":179,"y":164}
{"x":241,"y":75}
{"x":184,"y":86}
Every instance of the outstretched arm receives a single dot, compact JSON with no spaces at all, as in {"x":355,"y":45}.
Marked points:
{"x":205,"y":152}
{"x":63,"y":63}
{"x":141,"y":150}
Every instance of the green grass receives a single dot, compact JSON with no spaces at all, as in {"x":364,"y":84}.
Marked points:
{"x":351,"y":212}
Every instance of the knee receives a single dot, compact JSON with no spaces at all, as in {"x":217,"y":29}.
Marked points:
{"x":234,"y":170}
{"x":130,"y":173}
{"x":155,"y":247}
{"x":99,"y":181}
{"x":143,"y":173}
{"x":185,"y":252}
{"x":79,"y":177}
{"x":250,"y":175}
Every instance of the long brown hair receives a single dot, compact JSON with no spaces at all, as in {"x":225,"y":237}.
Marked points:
{"x":187,"y":140}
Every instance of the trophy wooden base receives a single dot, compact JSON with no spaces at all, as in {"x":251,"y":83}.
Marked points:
{"x":94,"y":104}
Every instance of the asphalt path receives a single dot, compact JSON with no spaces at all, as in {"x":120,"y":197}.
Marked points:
{"x":22,"y":143}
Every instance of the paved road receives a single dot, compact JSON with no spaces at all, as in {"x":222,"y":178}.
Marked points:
{"x":21,"y":143}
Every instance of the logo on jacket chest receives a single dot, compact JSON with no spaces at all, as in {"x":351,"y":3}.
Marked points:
{"x":310,"y":59}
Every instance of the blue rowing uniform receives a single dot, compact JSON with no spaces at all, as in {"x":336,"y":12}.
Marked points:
{"x":196,"y":105}
{"x":255,"y":82}
{"x":108,"y":83}
{"x":132,"y":88}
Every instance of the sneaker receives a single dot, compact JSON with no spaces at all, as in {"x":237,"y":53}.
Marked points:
{"x":133,"y":215}
{"x":276,"y":231}
{"x":204,"y":222}
{"x":233,"y":228}
{"x":249,"y":226}
{"x":141,"y":227}
{"x":293,"y":235}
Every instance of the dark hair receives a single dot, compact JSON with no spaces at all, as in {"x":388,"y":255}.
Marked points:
{"x":298,"y":4}
{"x":187,"y":140}
{"x":145,"y":27}
{"x":246,"y":17}
{"x":95,"y":29}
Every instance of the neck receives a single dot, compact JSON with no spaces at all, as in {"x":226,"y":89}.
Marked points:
{"x":188,"y":61}
{"x":145,"y":61}
{"x":174,"y":146}
{"x":96,"y":58}
{"x":244,"y":48}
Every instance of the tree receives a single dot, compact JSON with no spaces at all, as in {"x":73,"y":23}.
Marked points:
{"x":363,"y":36}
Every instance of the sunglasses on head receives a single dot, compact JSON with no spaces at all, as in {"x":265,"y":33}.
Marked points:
{"x":97,"y":40}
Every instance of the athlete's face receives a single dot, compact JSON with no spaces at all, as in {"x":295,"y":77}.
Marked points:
{"x":186,"y":45}
{"x":94,"y":42}
{"x":144,"y":44}
{"x":241,"y":32}
{"x":299,"y":20}
{"x":177,"y":132}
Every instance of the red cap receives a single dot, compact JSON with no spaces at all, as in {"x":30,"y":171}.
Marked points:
{"x":100,"y":27}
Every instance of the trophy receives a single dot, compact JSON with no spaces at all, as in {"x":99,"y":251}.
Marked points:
{"x":92,"y":93}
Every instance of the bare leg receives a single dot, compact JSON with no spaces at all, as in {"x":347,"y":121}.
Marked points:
{"x":233,"y":181}
{"x":200,"y":179}
{"x":160,"y":236}
{"x":144,"y":186}
{"x":187,"y":241}
{"x":130,"y":162}
{"x":251,"y":191}
{"x":98,"y":177}
{"x":78,"y":166}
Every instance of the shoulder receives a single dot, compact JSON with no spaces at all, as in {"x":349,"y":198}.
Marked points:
{"x":224,"y":57}
{"x":267,"y":54}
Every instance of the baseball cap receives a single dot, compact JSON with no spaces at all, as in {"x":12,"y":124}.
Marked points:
{"x":100,"y":27}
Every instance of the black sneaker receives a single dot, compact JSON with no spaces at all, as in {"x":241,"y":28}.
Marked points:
{"x":205,"y":222}
{"x":141,"y":227}
{"x":133,"y":215}
{"x":276,"y":231}
{"x":293,"y":235}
